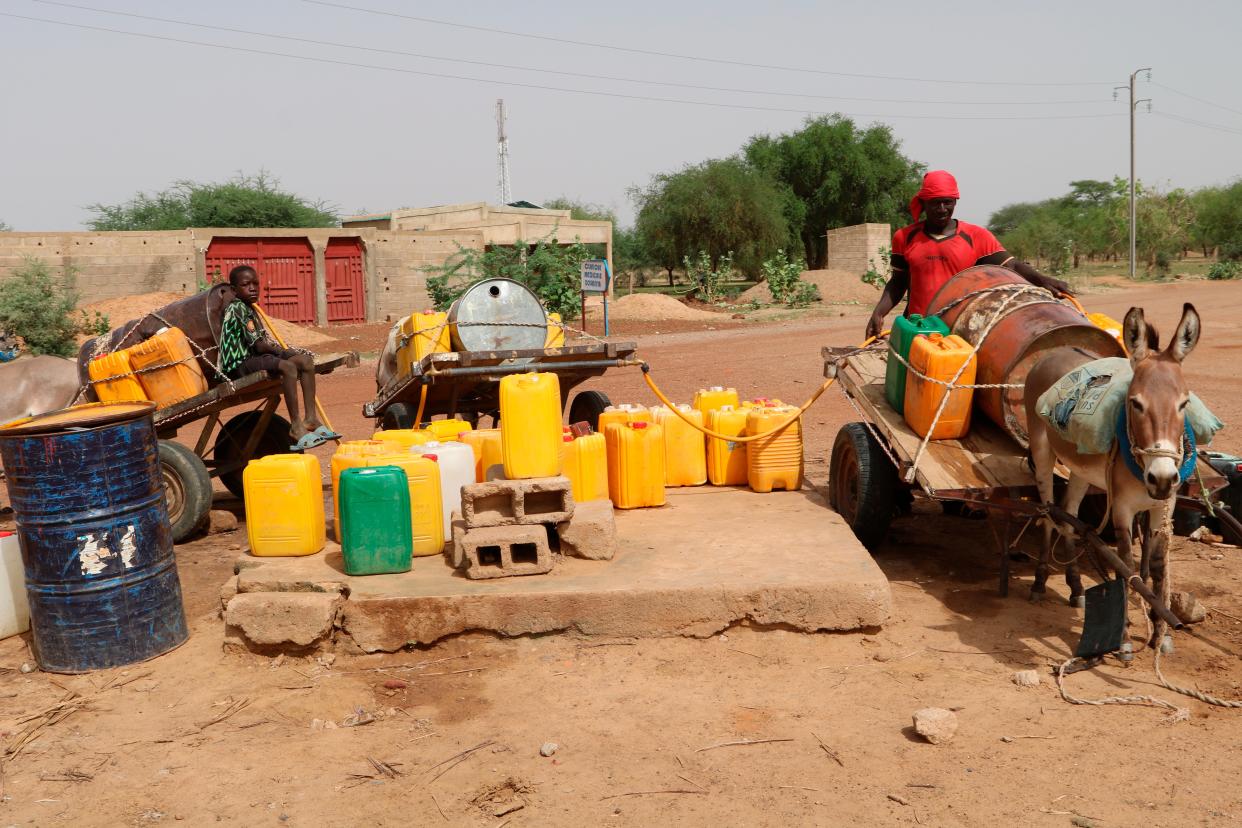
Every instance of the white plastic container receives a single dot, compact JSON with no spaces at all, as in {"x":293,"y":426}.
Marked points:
{"x":14,"y":607}
{"x":456,"y":470}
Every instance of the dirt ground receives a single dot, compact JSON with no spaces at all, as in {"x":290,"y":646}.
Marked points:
{"x":199,"y":736}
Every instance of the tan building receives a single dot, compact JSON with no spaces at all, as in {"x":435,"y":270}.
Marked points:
{"x":853,"y":248}
{"x":373,"y":268}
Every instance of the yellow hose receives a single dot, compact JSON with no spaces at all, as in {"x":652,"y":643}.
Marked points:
{"x":422,"y":402}
{"x":267,"y":323}
{"x":753,"y":437}
{"x":801,"y":409}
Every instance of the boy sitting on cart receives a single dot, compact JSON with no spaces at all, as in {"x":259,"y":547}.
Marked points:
{"x":247,"y":348}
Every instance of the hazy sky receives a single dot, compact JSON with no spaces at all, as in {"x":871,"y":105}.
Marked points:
{"x":95,"y":116}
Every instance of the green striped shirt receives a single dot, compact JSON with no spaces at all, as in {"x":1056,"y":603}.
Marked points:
{"x":239,"y":332}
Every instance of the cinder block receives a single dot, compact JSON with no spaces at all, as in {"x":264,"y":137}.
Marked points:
{"x":591,"y":533}
{"x":454,"y":550}
{"x":517,"y":502}
{"x":504,"y":551}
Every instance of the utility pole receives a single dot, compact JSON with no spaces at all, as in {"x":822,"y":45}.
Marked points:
{"x":1133,"y":108}
{"x":502,"y":155}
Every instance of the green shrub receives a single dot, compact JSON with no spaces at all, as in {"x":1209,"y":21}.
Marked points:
{"x":1220,"y":271}
{"x":40,"y":308}
{"x":874,"y":276}
{"x":784,"y":278}
{"x":709,"y":280}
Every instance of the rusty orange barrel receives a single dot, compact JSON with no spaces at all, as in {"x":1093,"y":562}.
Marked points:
{"x":1030,"y":325}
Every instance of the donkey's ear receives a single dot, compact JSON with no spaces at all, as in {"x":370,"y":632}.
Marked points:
{"x":1134,"y":334}
{"x":1187,"y":334}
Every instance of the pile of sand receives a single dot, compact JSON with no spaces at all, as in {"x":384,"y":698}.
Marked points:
{"x":124,"y":308}
{"x":651,"y":307}
{"x":836,"y":287}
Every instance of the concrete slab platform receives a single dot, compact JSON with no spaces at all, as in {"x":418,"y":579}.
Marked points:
{"x":710,"y":558}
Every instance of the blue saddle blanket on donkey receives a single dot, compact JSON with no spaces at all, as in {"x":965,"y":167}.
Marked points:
{"x":1084,"y":405}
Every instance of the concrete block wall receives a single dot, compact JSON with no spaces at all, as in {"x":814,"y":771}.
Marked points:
{"x":110,"y":264}
{"x":849,"y":248}
{"x":400,"y":258}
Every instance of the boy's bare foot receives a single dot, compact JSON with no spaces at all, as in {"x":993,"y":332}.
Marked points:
{"x":300,"y":429}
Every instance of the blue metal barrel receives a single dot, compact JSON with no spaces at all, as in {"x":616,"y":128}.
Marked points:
{"x":96,"y":544}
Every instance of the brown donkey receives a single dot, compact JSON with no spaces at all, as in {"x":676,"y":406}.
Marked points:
{"x":1155,"y":410}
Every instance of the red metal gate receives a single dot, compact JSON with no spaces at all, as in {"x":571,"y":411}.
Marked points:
{"x":286,"y":269}
{"x":344,"y":275}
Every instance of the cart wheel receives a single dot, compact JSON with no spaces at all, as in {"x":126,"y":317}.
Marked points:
{"x":187,"y":489}
{"x":862,"y":484}
{"x":232,"y":441}
{"x":398,"y":415}
{"x":587,"y":406}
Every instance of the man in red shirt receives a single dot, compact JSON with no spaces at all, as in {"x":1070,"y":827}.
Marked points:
{"x":930,"y":252}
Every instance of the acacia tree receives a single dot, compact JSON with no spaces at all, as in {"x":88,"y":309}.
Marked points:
{"x":718,"y":207}
{"x":839,"y":175}
{"x":1218,"y":220}
{"x":244,"y":201}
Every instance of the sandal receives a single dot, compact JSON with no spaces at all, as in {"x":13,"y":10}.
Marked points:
{"x":326,"y":433}
{"x":309,"y":440}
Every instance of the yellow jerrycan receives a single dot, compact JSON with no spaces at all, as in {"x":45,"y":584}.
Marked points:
{"x":174,"y":375}
{"x":635,"y":464}
{"x":685,"y":452}
{"x":284,"y":505}
{"x":556,"y":333}
{"x":350,"y":454}
{"x":586,"y":466}
{"x":486,"y":443}
{"x":774,"y":461}
{"x":530,"y":425}
{"x":940,"y":357}
{"x":714,"y":397}
{"x":623,"y":413}
{"x":446,"y":431}
{"x":726,"y":459}
{"x":403,"y":438}
{"x":426,"y":519}
{"x":119,"y":383}
{"x":421,"y":334}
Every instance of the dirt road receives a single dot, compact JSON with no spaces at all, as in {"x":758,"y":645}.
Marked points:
{"x":642,"y":726}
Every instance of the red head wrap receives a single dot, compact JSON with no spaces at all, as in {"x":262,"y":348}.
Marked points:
{"x":936,"y":184}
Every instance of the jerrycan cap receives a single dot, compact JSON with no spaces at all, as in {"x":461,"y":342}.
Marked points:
{"x":435,"y":458}
{"x":567,"y":438}
{"x":715,"y":388}
{"x":639,"y":424}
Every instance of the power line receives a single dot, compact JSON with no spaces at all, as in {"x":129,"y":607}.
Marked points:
{"x":699,"y":58}
{"x":1197,"y":98}
{"x":521,"y":85}
{"x":699,"y":87}
{"x":1194,"y":122}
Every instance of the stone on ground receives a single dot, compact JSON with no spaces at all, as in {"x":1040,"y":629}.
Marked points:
{"x":220,"y":521}
{"x":1026,"y":678}
{"x":935,"y":724}
{"x":1186,"y":607}
{"x":268,"y":619}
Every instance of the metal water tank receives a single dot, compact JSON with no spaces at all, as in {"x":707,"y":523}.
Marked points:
{"x":96,"y":544}
{"x":498,"y":315}
{"x":1030,"y":325}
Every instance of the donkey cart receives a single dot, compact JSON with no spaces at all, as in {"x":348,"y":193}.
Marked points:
{"x":467,"y":383}
{"x":874,"y":457}
{"x":241,"y":438}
